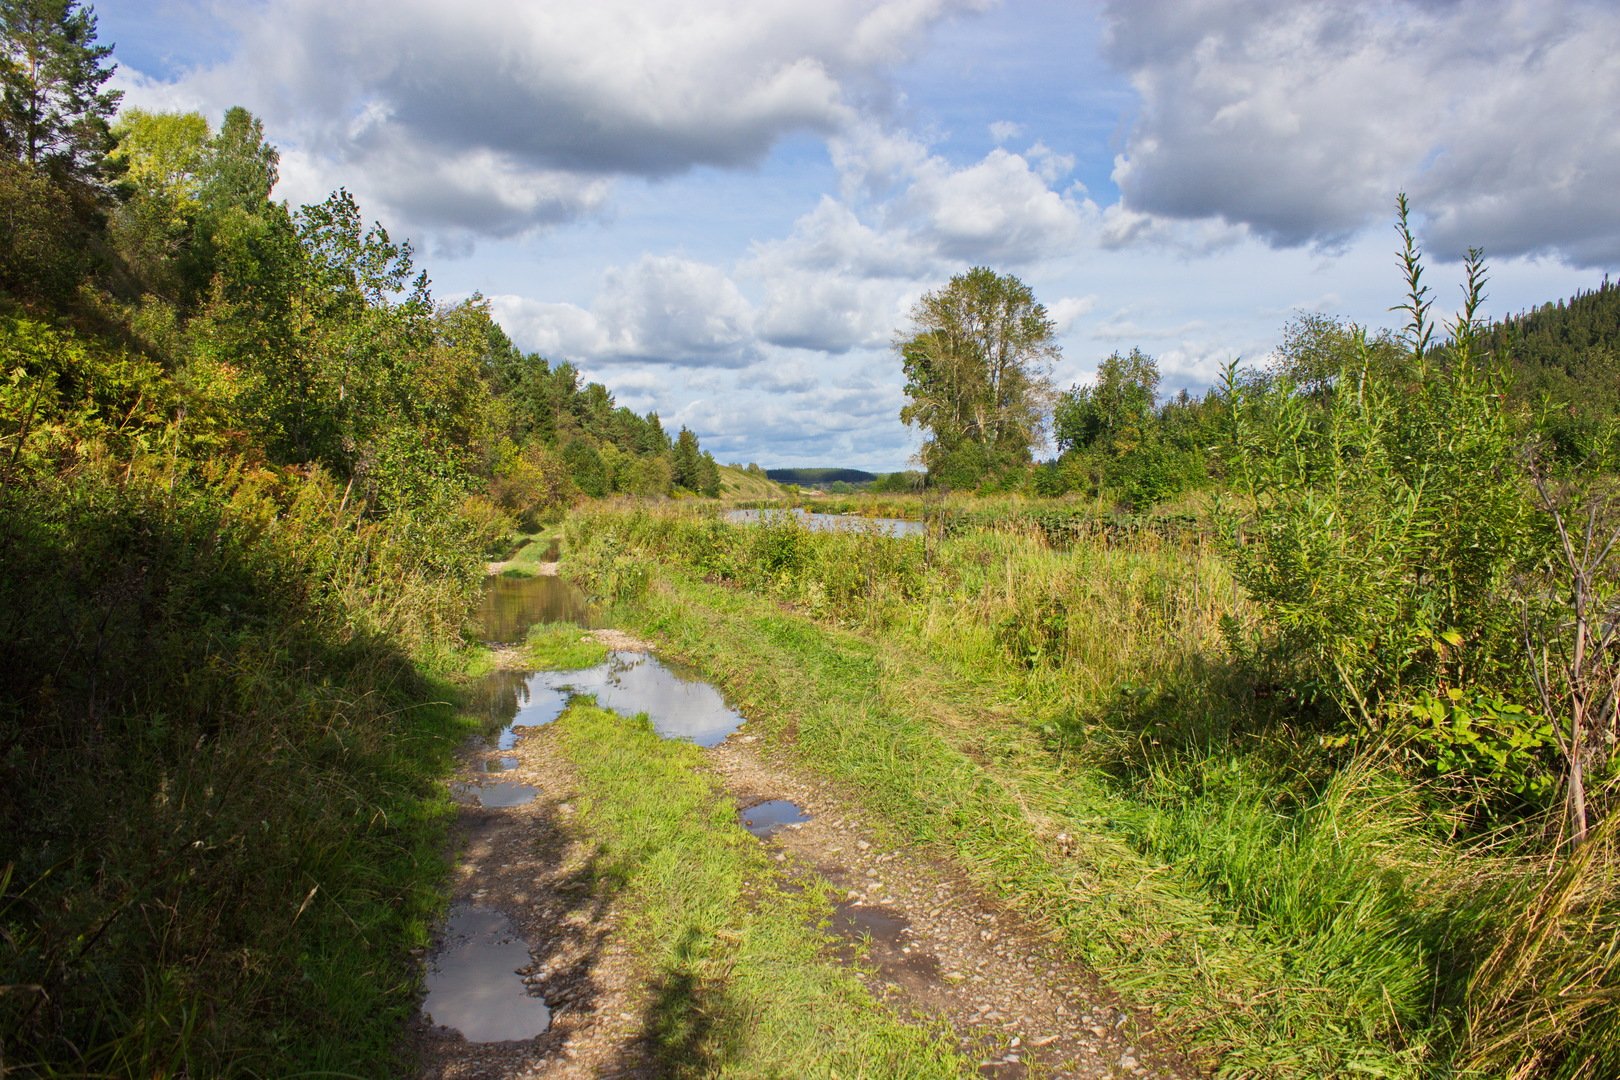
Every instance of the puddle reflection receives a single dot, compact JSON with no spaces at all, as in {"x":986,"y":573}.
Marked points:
{"x":765,"y":818}
{"x":680,"y":706}
{"x":511,"y":605}
{"x":472,"y":982}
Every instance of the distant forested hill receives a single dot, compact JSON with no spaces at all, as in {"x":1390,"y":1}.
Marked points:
{"x":817,"y":477}
{"x":1563,"y":356}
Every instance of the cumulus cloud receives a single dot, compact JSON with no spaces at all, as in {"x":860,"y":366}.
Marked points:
{"x":1301,"y":121}
{"x":1066,"y":311}
{"x":1000,"y":210}
{"x":491,"y":118}
{"x":661,"y":310}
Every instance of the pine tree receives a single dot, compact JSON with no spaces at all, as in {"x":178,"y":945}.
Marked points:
{"x":54,"y":111}
{"x":688,"y":462}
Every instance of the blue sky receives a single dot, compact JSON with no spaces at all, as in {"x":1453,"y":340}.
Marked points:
{"x":724,"y":209}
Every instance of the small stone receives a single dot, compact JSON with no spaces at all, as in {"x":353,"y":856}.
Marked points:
{"x":863,"y":845}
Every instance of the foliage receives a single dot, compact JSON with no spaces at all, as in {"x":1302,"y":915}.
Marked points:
{"x":1497,"y":747}
{"x":54,"y":111}
{"x":1563,"y":356}
{"x":42,"y":256}
{"x":1383,"y":518}
{"x":1115,"y":410}
{"x":1116,"y":440}
{"x":976,"y":360}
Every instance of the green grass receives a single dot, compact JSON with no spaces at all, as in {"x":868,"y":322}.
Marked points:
{"x":738,"y":483}
{"x":1289,"y":912}
{"x":742,"y":981}
{"x":532,"y":549}
{"x":562,"y":647}
{"x":224,"y":817}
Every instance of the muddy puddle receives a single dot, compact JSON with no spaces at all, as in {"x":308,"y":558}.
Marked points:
{"x":831,"y":522}
{"x":680,"y":705}
{"x":472,"y":981}
{"x":763,"y":819}
{"x":510,"y":605}
{"x":473,"y":984}
{"x":886,"y":937}
{"x":500,"y":795}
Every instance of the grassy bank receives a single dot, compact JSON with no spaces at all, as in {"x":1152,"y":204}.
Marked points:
{"x":222,"y":737}
{"x":742,"y":985}
{"x":1071,"y":729}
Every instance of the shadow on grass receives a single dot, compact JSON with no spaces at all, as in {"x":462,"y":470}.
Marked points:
{"x":686,"y":1023}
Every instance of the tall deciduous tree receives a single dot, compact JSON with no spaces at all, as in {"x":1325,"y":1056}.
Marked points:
{"x":1117,"y":408}
{"x":54,"y":112}
{"x":977,"y":362}
{"x":243,"y":166}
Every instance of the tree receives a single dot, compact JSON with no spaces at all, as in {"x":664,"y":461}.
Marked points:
{"x":708,"y":476}
{"x":242,"y":165}
{"x":53,"y":111}
{"x":688,"y":465}
{"x":163,"y":156}
{"x":976,"y":362}
{"x":1116,"y":409}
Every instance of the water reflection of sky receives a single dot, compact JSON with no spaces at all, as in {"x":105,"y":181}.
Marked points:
{"x":896,"y":527}
{"x":680,"y":707}
{"x":472,"y":984}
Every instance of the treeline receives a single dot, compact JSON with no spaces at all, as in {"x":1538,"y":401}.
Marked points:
{"x":249,"y":471}
{"x":846,"y":481}
{"x":1118,"y":439}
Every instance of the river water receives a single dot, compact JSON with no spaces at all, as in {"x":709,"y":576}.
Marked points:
{"x":896,"y":527}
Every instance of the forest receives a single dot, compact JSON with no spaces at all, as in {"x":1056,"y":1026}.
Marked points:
{"x":1289,"y":709}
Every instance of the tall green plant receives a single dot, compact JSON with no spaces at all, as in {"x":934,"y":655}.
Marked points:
{"x":1380,"y":523}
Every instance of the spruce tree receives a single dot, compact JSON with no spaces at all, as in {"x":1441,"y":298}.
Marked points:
{"x":54,"y":111}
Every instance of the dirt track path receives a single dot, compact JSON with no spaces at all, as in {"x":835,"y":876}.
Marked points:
{"x":931,"y":944}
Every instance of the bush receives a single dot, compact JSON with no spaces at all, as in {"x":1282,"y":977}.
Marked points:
{"x":1381,"y":523}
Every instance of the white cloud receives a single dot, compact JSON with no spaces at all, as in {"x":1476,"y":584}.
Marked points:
{"x":492,"y":119}
{"x":998,"y":210}
{"x":661,"y":310}
{"x":1501,"y":118}
{"x":1004,"y":131}
{"x":1068,"y":310}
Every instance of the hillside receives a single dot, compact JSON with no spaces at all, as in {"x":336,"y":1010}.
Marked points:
{"x":737,"y":482}
{"x":1563,"y":356}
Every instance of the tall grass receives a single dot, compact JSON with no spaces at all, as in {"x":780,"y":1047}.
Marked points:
{"x":221,"y":831}
{"x":1304,"y":907}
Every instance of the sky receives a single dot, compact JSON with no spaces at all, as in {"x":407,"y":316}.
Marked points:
{"x":724,"y":210}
